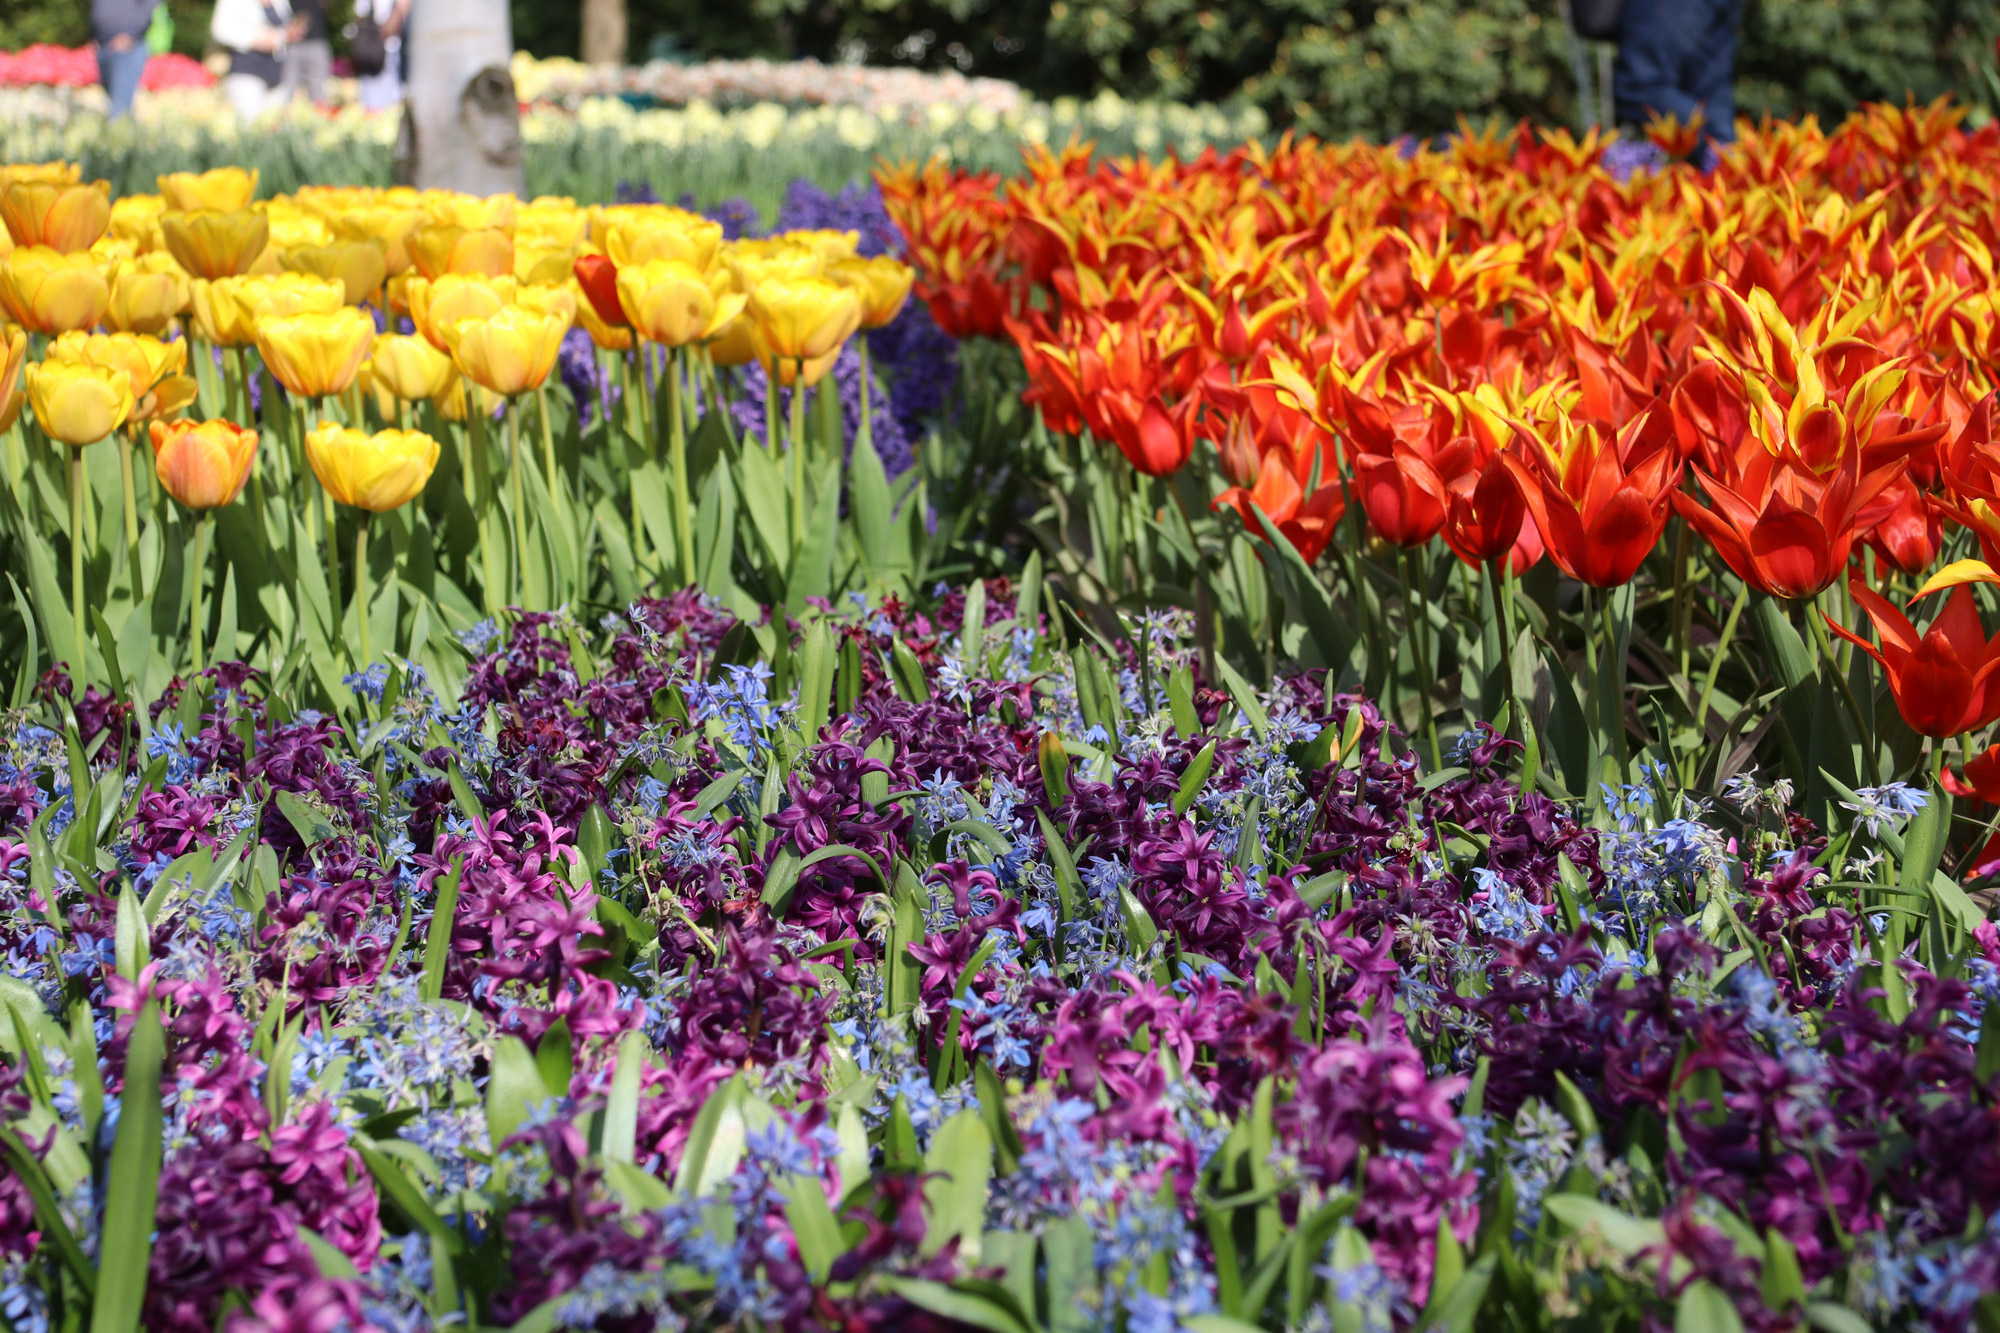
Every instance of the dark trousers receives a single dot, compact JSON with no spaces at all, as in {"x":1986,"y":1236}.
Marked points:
{"x":1676,"y":57}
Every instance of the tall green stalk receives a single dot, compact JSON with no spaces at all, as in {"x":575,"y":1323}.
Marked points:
{"x":677,"y":467}
{"x":514,"y":492}
{"x":77,"y":669}
{"x":131,"y":514}
{"x":798,"y":446}
{"x":361,"y":589}
{"x":197,"y":617}
{"x":1417,"y":605}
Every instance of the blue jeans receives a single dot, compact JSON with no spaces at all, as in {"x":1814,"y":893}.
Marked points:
{"x":120,"y":72}
{"x":1676,"y":57}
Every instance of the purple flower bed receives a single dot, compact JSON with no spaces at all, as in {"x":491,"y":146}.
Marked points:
{"x":1035,"y":989}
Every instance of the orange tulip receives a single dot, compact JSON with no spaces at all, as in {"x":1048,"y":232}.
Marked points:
{"x":203,"y":464}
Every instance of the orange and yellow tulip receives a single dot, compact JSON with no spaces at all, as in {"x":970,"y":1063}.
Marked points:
{"x":67,"y":218}
{"x":47,"y":291}
{"x":13,"y":351}
{"x":203,"y":464}
{"x":146,"y":294}
{"x":802,"y":319}
{"x":408,"y":367}
{"x":209,"y":244}
{"x":669,"y":302}
{"x":882,"y":283}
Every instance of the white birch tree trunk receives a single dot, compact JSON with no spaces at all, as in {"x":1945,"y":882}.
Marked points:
{"x":461,"y":122}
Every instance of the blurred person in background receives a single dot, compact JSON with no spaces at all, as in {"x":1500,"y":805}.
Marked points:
{"x":308,"y":53}
{"x":383,"y":88}
{"x":1677,"y":58}
{"x":119,"y":29}
{"x":252,"y":32}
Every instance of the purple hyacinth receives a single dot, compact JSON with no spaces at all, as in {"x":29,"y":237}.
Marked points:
{"x":891,"y":444}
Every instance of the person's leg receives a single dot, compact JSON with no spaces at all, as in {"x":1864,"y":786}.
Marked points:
{"x":121,"y":72}
{"x":1653,"y":50}
{"x":1710,"y":74}
{"x":247,"y":95}
{"x":318,"y":62}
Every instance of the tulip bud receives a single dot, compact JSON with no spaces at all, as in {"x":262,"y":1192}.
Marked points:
{"x":209,"y":244}
{"x":315,"y":354}
{"x":68,"y":218}
{"x":226,"y":311}
{"x":803,"y":319}
{"x":135,"y":219}
{"x":76,"y":403}
{"x":509,"y":352}
{"x":376,"y":472}
{"x":146,"y":294}
{"x":203,"y":465}
{"x":437,"y":307}
{"x":151,"y":368}
{"x":359,"y":266}
{"x":686,"y":237}
{"x":437,"y":251}
{"x":669,"y":302}
{"x":223,"y":190}
{"x":51,"y":292}
{"x":882,"y":284}
{"x":408,"y":367}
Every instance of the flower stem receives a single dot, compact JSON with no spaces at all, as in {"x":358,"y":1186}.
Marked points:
{"x":76,"y":557}
{"x":361,"y":589}
{"x":514,"y":491}
{"x":677,"y":465}
{"x":1416,"y":604}
{"x":131,"y":515}
{"x":548,"y":437}
{"x":866,"y":433}
{"x":798,"y":434}
{"x":1862,"y":731}
{"x":197,"y":620}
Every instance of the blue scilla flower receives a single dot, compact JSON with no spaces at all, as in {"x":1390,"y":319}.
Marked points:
{"x":1505,"y":912}
{"x":369,"y":683}
{"x":1887,"y":805}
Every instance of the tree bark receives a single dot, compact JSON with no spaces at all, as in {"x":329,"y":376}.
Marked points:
{"x":603,"y":32}
{"x":461,"y":121}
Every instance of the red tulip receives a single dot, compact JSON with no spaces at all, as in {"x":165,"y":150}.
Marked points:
{"x":1598,"y":499}
{"x":1943,"y":679}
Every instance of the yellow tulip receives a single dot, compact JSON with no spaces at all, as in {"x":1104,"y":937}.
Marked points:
{"x":144,"y":360}
{"x":552,"y":222}
{"x":538,"y":263}
{"x":135,"y":218}
{"x":470,"y":212}
{"x":50,"y":292}
{"x":828,"y":245}
{"x":391,"y":226}
{"x":510,"y":352}
{"x":804,"y":318}
{"x":376,"y":472}
{"x":554,"y":298}
{"x":226,"y":311}
{"x":209,"y":244}
{"x":438,"y":250}
{"x":735,"y":343}
{"x":51,"y":173}
{"x":223,"y":190}
{"x":359,"y":266}
{"x":882,"y":284}
{"x":754,"y":264}
{"x":683,"y":236}
{"x":78,"y":404}
{"x":409,"y":367}
{"x":146,"y":294}
{"x":13,"y":351}
{"x":669,"y":302}
{"x":315,"y":354}
{"x":203,"y":464}
{"x":68,"y":218}
{"x":436,"y":307}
